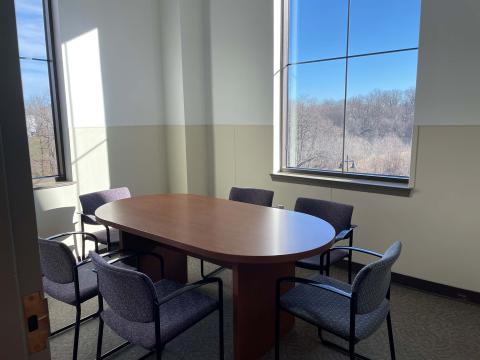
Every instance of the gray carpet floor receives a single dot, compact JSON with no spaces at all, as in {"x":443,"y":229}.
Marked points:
{"x":426,"y":326}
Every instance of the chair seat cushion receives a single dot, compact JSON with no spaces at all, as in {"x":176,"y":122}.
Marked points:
{"x":101,"y":235}
{"x":66,"y":292}
{"x":330,"y":311}
{"x":314,"y":261}
{"x":176,"y":316}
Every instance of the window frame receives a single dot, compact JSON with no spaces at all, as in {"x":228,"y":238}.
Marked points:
{"x":282,"y":92}
{"x":51,"y":61}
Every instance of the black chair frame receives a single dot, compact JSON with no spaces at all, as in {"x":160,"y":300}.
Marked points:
{"x":158,"y":302}
{"x":78,"y":319}
{"x":353,"y":310}
{"x":324,"y":267}
{"x":212,"y":273}
{"x":82,"y":228}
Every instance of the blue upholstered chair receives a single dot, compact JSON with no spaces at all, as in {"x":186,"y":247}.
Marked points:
{"x":252,"y":196}
{"x":340,"y":217}
{"x":150,"y":314}
{"x":91,"y":202}
{"x":246,"y":195}
{"x":352,"y":312}
{"x":66,"y":280}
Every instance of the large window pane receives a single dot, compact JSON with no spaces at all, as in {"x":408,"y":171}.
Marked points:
{"x":316,"y":94}
{"x":30,"y":28}
{"x":383,"y":25}
{"x":380,"y":113}
{"x":38,"y":111}
{"x":318,"y":29}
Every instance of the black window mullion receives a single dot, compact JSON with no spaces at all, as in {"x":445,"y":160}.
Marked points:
{"x":350,"y":56}
{"x":345,"y":94}
{"x":53,"y":79}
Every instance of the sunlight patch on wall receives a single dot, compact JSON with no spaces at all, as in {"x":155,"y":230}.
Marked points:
{"x":83,"y":68}
{"x":86,"y":112}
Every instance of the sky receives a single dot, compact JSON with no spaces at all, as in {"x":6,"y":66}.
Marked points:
{"x":318,"y":31}
{"x":31,"y":44}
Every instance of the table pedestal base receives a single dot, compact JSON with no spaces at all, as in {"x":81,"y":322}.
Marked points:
{"x":254,"y":308}
{"x":175,"y":262}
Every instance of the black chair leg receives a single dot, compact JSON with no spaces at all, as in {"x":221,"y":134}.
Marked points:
{"x":77,"y":331}
{"x":351,"y":349}
{"x":221,"y":335}
{"x":277,"y":324}
{"x":100,"y":338}
{"x":82,"y":229}
{"x":350,"y":268}
{"x":158,"y":352}
{"x":109,"y":245}
{"x":83,"y":247}
{"x":390,"y":337}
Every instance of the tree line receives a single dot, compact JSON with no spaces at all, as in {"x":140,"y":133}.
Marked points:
{"x":378,"y":129}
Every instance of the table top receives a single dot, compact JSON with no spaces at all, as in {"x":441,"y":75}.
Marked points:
{"x":218,"y":229}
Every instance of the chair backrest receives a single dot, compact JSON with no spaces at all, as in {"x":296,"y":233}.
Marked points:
{"x":337,"y":214}
{"x":130,"y":294}
{"x":92,"y":201}
{"x":372,"y":282}
{"x":56,"y":261}
{"x":252,"y":196}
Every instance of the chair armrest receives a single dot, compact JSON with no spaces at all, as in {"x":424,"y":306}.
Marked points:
{"x":54,"y":237}
{"x":130,"y":255}
{"x":92,"y":218}
{"x":86,"y":261}
{"x":190,"y":287}
{"x":344,"y":234}
{"x":83,"y":262}
{"x":114,"y":252}
{"x":365,"y":251}
{"x":314,"y":284}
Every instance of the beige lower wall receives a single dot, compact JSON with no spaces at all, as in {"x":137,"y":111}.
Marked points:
{"x":176,"y":170}
{"x":103,"y":158}
{"x":437,"y":223}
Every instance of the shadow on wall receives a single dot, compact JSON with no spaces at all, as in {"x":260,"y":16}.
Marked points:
{"x":56,"y":221}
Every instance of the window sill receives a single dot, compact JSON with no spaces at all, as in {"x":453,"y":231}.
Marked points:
{"x":365,"y":185}
{"x":51,"y":184}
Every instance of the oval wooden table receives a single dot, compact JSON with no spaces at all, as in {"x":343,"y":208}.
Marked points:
{"x":259,"y":244}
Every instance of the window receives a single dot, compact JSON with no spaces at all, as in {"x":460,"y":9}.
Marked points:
{"x":37,"y":64}
{"x":349,"y":72}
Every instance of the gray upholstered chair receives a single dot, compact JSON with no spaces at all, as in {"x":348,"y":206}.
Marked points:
{"x":352,"y":312}
{"x":246,"y":195}
{"x":66,"y":280}
{"x":252,"y":196}
{"x":340,"y":217}
{"x":91,"y":202}
{"x":150,"y":314}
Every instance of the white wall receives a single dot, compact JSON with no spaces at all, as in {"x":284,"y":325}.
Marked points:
{"x":448,"y":74}
{"x":242,"y":50}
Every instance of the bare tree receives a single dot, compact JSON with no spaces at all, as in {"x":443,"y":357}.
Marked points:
{"x":40,"y":127}
{"x":378,"y":132}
